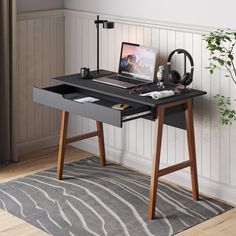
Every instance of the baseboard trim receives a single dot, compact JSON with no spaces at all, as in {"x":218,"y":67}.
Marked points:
{"x":37,"y":144}
{"x":206,"y":186}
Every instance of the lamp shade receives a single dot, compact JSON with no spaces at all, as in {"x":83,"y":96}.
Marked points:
{"x":108,"y":25}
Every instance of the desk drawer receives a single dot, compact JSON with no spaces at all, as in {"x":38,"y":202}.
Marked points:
{"x":62,"y":97}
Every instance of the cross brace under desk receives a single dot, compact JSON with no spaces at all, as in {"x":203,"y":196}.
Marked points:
{"x":60,"y":97}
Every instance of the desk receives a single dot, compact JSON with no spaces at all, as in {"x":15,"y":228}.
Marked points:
{"x":176,"y":111}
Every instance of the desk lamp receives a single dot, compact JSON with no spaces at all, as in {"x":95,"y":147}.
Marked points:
{"x":106,"y":25}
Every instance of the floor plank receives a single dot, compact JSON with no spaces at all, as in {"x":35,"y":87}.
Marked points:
{"x":222,"y":225}
{"x":12,"y":226}
{"x":41,"y":160}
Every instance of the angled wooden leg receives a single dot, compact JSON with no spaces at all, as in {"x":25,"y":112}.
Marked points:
{"x":101,"y":143}
{"x":62,"y":144}
{"x":191,"y":148}
{"x":156,"y":161}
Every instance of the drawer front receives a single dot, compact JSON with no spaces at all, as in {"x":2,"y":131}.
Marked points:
{"x":62,"y":97}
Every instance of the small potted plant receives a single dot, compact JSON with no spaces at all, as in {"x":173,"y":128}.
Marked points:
{"x":221,"y":45}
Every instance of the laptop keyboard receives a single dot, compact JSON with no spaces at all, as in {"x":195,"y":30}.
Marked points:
{"x":127,"y":80}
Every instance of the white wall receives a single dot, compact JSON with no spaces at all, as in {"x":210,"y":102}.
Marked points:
{"x":37,"y":5}
{"x":200,"y":12}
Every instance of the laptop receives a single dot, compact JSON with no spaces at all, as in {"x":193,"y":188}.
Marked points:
{"x":137,"y":67}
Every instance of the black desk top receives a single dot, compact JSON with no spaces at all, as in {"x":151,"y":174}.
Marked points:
{"x":76,"y":81}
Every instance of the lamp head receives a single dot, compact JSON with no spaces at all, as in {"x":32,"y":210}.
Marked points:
{"x":108,"y":25}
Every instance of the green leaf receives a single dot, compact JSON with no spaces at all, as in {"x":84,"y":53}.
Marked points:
{"x":221,"y":61}
{"x":228,"y":63}
{"x":230,"y":56}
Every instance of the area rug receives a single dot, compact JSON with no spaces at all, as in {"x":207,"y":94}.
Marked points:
{"x":94,"y":200}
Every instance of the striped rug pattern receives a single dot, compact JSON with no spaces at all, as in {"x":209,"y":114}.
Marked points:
{"x":93,"y":200}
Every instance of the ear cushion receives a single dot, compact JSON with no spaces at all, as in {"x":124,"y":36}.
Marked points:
{"x":175,"y":76}
{"x":186,"y":79}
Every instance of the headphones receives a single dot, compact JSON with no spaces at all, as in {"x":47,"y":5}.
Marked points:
{"x":175,"y":76}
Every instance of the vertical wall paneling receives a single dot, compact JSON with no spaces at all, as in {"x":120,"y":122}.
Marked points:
{"x":92,"y":60}
{"x":71,"y":34}
{"x":163,"y":54}
{"x":46,"y":70}
{"x":125,"y":131}
{"x":188,"y":37}
{"x":68,"y":44}
{"x":132,"y":126}
{"x":206,"y":116}
{"x":79,"y":58}
{"x":118,"y":39}
{"x":38,"y":75}
{"x":22,"y":94}
{"x":60,"y":58}
{"x":180,"y":134}
{"x":53,"y":65}
{"x":224,"y":138}
{"x":215,"y":128}
{"x":232,"y":136}
{"x":197,"y":83}
{"x":147,"y":129}
{"x":171,"y":131}
{"x":40,"y":50}
{"x":30,"y":77}
{"x":111,"y":67}
{"x":224,"y":135}
{"x":140,"y":122}
{"x":104,"y":65}
{"x":85,"y":58}
{"x":155,"y":33}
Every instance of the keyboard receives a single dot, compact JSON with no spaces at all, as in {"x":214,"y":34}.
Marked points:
{"x":120,"y":82}
{"x":127,"y":80}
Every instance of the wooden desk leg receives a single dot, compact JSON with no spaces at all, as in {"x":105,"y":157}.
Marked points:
{"x":101,"y":143}
{"x":62,"y":144}
{"x":156,"y":161}
{"x":191,"y":148}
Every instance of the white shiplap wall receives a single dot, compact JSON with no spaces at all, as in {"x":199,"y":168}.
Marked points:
{"x":40,"y":55}
{"x":132,"y":145}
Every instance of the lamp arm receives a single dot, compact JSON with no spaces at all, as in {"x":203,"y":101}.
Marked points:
{"x":107,"y":25}
{"x":100,"y":21}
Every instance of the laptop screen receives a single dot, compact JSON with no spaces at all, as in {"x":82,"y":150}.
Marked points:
{"x":137,"y":61}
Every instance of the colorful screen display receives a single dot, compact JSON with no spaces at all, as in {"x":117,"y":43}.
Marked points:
{"x":137,"y":61}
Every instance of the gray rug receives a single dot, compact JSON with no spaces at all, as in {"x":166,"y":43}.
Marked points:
{"x":92,"y":200}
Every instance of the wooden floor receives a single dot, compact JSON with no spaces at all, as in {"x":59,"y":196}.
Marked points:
{"x":223,"y":225}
